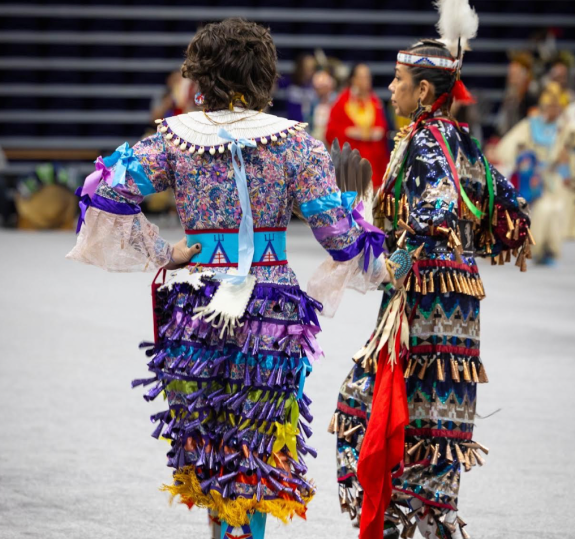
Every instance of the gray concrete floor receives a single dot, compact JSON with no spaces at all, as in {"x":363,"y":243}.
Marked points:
{"x":77,"y":459}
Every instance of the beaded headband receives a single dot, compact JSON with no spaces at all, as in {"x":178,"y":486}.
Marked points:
{"x":418,"y":60}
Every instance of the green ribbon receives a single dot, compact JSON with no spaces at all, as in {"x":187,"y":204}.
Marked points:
{"x":472,"y":207}
{"x":489,"y":181}
{"x":397,"y":190}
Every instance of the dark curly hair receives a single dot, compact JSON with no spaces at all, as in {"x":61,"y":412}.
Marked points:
{"x":231,"y":58}
{"x":442,"y":79}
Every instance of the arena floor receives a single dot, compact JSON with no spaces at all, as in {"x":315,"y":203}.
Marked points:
{"x":77,"y":459}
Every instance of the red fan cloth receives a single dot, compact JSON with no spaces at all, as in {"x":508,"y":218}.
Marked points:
{"x":383,"y":445}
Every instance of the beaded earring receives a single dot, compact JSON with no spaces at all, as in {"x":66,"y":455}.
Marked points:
{"x":199,"y":99}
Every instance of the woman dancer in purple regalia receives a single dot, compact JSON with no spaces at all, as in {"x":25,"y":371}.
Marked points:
{"x":236,"y":335}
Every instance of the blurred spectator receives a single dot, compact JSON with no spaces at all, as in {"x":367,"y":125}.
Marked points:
{"x":560,"y":72}
{"x":357,"y":117}
{"x":300,"y":91}
{"x":177,"y":98}
{"x":520,"y":93}
{"x":565,"y":159}
{"x":45,"y":200}
{"x":538,"y":135}
{"x":324,"y":86}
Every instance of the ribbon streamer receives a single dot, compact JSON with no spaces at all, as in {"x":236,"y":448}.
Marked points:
{"x":246,"y":231}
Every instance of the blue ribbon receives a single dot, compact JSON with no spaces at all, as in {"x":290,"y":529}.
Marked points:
{"x":246,"y":231}
{"x":305,"y":369}
{"x":321,"y":204}
{"x":347,"y":200}
{"x":125,"y":161}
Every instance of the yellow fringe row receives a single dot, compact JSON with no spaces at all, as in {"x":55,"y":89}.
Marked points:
{"x":234,"y":512}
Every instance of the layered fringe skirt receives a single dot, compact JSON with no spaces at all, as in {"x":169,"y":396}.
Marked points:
{"x":237,"y":417}
{"x":441,"y":379}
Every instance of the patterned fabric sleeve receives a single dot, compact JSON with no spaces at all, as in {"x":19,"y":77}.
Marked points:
{"x":113,"y":233}
{"x":510,"y":221}
{"x":355,"y":247}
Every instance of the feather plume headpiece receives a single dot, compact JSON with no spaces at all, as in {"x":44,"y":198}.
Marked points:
{"x":457,"y":25}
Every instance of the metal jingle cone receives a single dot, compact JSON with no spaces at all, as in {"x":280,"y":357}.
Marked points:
{"x":407,"y":372}
{"x":417,"y":285}
{"x":456,"y":283}
{"x":415,"y":447}
{"x":468,"y":281}
{"x":480,"y":460}
{"x":440,"y":370}
{"x":436,"y":455}
{"x":448,"y":452}
{"x":455,"y":370}
{"x":421,"y":374}
{"x":474,"y":375}
{"x":510,"y":225}
{"x":401,"y":240}
{"x":349,"y":432}
{"x":450,"y":286}
{"x":408,"y":282}
{"x":442,"y":286}
{"x":466,"y":373}
{"x":459,"y":454}
{"x":332,"y":424}
{"x":431,"y":285}
{"x":413,"y":367}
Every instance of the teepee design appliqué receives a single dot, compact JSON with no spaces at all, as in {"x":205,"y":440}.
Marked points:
{"x":219,"y":255}
{"x":269,"y":254}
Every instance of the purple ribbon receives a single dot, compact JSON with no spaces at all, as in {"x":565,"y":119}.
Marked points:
{"x":370,"y":242}
{"x":341,"y":227}
{"x":104,"y":204}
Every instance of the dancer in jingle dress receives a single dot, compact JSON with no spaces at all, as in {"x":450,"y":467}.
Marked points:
{"x":235,"y":333}
{"x":404,"y":418}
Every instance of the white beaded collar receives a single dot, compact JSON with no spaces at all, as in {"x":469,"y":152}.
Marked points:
{"x":193,"y":132}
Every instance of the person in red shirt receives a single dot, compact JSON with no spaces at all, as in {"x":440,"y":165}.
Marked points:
{"x":357,"y":117}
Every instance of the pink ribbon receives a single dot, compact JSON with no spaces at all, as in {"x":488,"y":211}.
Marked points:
{"x":308,"y":342}
{"x":92,"y":181}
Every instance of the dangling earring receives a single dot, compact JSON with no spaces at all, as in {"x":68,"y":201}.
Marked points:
{"x":420,"y":109}
{"x":270,"y":103}
{"x":199,"y":99}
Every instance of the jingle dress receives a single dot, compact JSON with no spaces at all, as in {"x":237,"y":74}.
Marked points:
{"x":237,"y":417}
{"x":444,"y":367}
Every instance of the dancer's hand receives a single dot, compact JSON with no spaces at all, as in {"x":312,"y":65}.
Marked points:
{"x":182,"y":254}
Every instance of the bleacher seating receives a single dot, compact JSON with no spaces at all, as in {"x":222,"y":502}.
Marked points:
{"x":81,"y":76}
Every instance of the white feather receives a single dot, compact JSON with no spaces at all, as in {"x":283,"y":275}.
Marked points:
{"x":457,"y":20}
